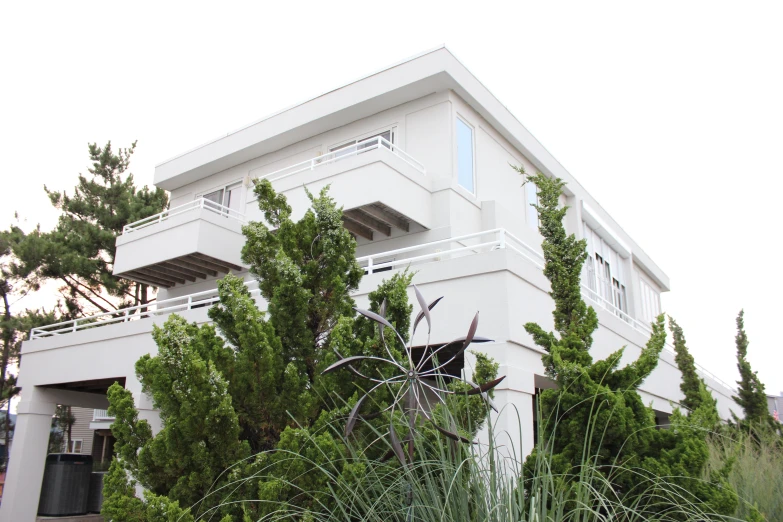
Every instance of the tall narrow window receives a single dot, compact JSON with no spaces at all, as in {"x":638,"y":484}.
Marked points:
{"x":232,"y":195}
{"x":619,"y":295}
{"x":531,"y":192}
{"x":465,"y":156}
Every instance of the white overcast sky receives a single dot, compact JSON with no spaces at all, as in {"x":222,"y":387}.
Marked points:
{"x":669,"y":113}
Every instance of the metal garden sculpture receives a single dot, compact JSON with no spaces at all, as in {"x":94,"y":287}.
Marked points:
{"x":411,"y":377}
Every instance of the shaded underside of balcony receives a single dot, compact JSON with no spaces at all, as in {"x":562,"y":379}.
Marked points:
{"x":367,"y":221}
{"x":98,"y":386}
{"x":182,"y":248}
{"x":181,"y":270}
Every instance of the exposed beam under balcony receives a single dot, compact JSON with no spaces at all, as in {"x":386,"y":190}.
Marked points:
{"x":166,"y":274}
{"x":143,"y":277}
{"x":379,"y":212}
{"x":357,"y":228}
{"x":363,"y":221}
{"x":212,"y":263}
{"x":180,"y":270}
{"x":202,"y":271}
{"x":358,"y":215}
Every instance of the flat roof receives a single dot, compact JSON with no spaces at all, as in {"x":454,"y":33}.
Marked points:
{"x":432,"y":71}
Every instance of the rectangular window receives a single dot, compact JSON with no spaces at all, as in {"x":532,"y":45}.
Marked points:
{"x":229,"y":196}
{"x":531,"y":192}
{"x":590,"y":273}
{"x":232,"y":195}
{"x":651,"y":302}
{"x":465,"y":156}
{"x":215,"y":197}
{"x":619,"y":295}
{"x":607,"y":266}
{"x":75,"y":446}
{"x":353,"y":146}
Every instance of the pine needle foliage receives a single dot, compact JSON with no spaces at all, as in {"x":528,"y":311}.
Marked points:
{"x":595,"y":415}
{"x":79,"y":253}
{"x":235,"y":394}
{"x":696,"y":395}
{"x":751,"y":396}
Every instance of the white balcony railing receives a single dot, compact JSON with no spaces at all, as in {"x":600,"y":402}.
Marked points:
{"x":101,"y":415}
{"x":604,"y":303}
{"x":132,"y":313}
{"x":501,"y":239}
{"x":643,"y":328}
{"x":450,"y":248}
{"x":465,"y":245}
{"x":336,"y":155}
{"x":196,"y":204}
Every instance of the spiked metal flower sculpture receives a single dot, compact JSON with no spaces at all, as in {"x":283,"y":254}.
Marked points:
{"x":412,"y":377}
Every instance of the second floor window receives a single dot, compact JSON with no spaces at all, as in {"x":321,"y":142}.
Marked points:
{"x":226,"y":196}
{"x":650,"y":300}
{"x":604,"y":272}
{"x":354,"y":146}
{"x":531,"y":194}
{"x":465,"y":156}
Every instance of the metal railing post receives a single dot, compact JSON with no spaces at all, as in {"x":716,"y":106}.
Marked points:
{"x":127,"y":315}
{"x":369,"y":266}
{"x":75,"y":322}
{"x":502,"y":238}
{"x":190,"y":302}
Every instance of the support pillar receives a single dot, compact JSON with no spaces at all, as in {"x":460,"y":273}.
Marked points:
{"x":27,"y":459}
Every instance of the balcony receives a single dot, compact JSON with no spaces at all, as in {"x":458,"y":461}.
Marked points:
{"x":101,"y":416}
{"x":101,"y":420}
{"x":436,"y":251}
{"x":383,"y":189}
{"x":455,"y":248}
{"x":182,"y":244}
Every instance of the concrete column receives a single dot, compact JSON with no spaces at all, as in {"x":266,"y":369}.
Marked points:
{"x":512,"y":425}
{"x":26,"y":462}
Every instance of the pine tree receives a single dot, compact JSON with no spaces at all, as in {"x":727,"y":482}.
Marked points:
{"x":595,"y":415}
{"x":252,"y":381}
{"x":79,"y":252}
{"x":14,"y":325}
{"x":259,"y":372}
{"x":751,"y":396}
{"x":696,"y":395}
{"x":596,"y":411}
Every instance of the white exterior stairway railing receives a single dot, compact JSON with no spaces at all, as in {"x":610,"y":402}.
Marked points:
{"x":199,"y":203}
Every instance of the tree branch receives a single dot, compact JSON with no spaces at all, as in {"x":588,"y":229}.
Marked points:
{"x":85,"y":296}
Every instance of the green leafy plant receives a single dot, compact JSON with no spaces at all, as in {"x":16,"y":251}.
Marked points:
{"x":595,"y":414}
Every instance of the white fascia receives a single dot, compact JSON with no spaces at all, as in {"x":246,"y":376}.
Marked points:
{"x":437,"y":70}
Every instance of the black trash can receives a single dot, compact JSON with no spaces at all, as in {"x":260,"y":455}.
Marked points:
{"x":96,"y":492}
{"x":66,"y":485}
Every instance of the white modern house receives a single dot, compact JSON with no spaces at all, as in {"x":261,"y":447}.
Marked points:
{"x":418,"y":154}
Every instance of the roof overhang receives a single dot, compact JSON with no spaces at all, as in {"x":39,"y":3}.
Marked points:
{"x":434,"y":71}
{"x":430,"y":72}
